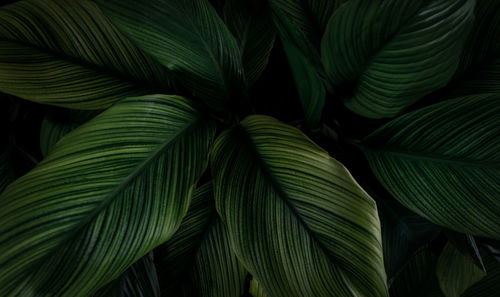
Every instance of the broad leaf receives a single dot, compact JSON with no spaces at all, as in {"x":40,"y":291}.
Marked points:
{"x":252,"y":26}
{"x":256,"y":289}
{"x":190,"y":39}
{"x":139,"y":280}
{"x":197,"y":260}
{"x":486,"y":79}
{"x":108,"y":193}
{"x":443,"y":162}
{"x":455,"y":272}
{"x":466,"y":245}
{"x":66,"y":53}
{"x":490,"y":285}
{"x":418,"y":277}
{"x":403,"y":234}
{"x":394,"y":52}
{"x":296,"y":218}
{"x":51,"y":131}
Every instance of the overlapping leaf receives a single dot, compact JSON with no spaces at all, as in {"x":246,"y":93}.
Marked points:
{"x":490,"y":284}
{"x":189,"y":38}
{"x":66,"y":53}
{"x":6,"y":175}
{"x":296,"y":218}
{"x":394,"y":52}
{"x":455,"y":272}
{"x":51,"y":131}
{"x":443,"y":162}
{"x":108,"y":193}
{"x":197,"y":260}
{"x":139,"y":280}
{"x":252,"y":26}
{"x":256,"y":290}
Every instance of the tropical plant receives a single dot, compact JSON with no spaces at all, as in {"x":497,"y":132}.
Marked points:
{"x":250,"y":148}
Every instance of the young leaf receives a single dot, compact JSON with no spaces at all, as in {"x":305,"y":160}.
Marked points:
{"x":108,"y":193}
{"x":252,"y":26}
{"x":197,"y":260}
{"x":455,"y":272}
{"x":190,"y":39}
{"x":443,"y":162}
{"x":66,"y":53}
{"x":394,"y":52}
{"x":296,"y":218}
{"x":139,"y":280}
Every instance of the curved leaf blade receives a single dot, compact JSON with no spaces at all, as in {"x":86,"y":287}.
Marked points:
{"x":256,"y":289}
{"x":190,"y":39}
{"x":66,"y":53}
{"x":394,"y":52}
{"x":198,"y":260}
{"x":296,"y":218}
{"x":490,"y":284}
{"x":103,"y":198}
{"x":51,"y":131}
{"x":443,"y":162}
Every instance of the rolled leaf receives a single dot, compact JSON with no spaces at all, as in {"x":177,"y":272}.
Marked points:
{"x":296,"y":218}
{"x":188,"y":37}
{"x":198,"y":260}
{"x":443,"y":162}
{"x":108,"y":193}
{"x":66,"y":53}
{"x":394,"y":52}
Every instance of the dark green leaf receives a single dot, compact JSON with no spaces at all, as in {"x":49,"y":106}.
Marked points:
{"x":66,"y":53}
{"x":394,"y":52}
{"x":190,"y":39}
{"x":51,"y":131}
{"x":108,"y":193}
{"x":443,"y":162}
{"x":296,"y":218}
{"x":490,"y":285}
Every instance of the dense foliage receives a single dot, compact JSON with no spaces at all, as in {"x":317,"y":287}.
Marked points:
{"x":229,"y":148}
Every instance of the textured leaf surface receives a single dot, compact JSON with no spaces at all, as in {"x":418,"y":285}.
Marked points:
{"x":418,"y":277}
{"x":108,"y":193}
{"x":490,"y":284}
{"x":296,"y":218}
{"x":252,"y":26}
{"x":66,"y":53}
{"x":190,"y":39}
{"x":394,"y":52}
{"x":6,"y":175}
{"x":51,"y":131}
{"x":139,"y":280}
{"x":443,"y":162}
{"x":256,"y":289}
{"x":455,"y":272}
{"x":197,"y":260}
{"x":403,"y":233}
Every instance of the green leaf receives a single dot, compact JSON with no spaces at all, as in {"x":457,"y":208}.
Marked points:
{"x":51,"y":131}
{"x":66,"y":53}
{"x":403,"y":234}
{"x":466,"y":244}
{"x":190,"y":39}
{"x":197,"y":260}
{"x":455,"y":272}
{"x":490,"y":284}
{"x":296,"y":218}
{"x":108,"y":193}
{"x":394,"y":52}
{"x":443,"y":162}
{"x":478,"y":81}
{"x":418,"y":277}
{"x":252,"y":26}
{"x":256,"y":289}
{"x":6,"y":174}
{"x":139,"y":280}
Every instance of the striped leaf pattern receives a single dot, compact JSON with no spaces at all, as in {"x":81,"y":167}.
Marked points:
{"x":296,"y":218}
{"x":256,"y":289}
{"x":190,"y":39}
{"x":455,"y":272}
{"x":66,"y":53}
{"x":6,"y":175}
{"x":443,"y":162}
{"x":197,"y":261}
{"x":109,"y":192}
{"x":51,"y":131}
{"x":490,"y":284}
{"x":139,"y":280}
{"x":394,"y":52}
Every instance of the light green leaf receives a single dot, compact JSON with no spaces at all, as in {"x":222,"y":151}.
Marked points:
{"x":256,"y":289}
{"x":108,"y":193}
{"x":252,"y":25}
{"x":190,"y":39}
{"x":197,"y":260}
{"x":443,"y":162}
{"x":418,"y":277}
{"x":394,"y":52}
{"x":296,"y":218}
{"x":139,"y":280}
{"x":455,"y":272}
{"x":66,"y":53}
